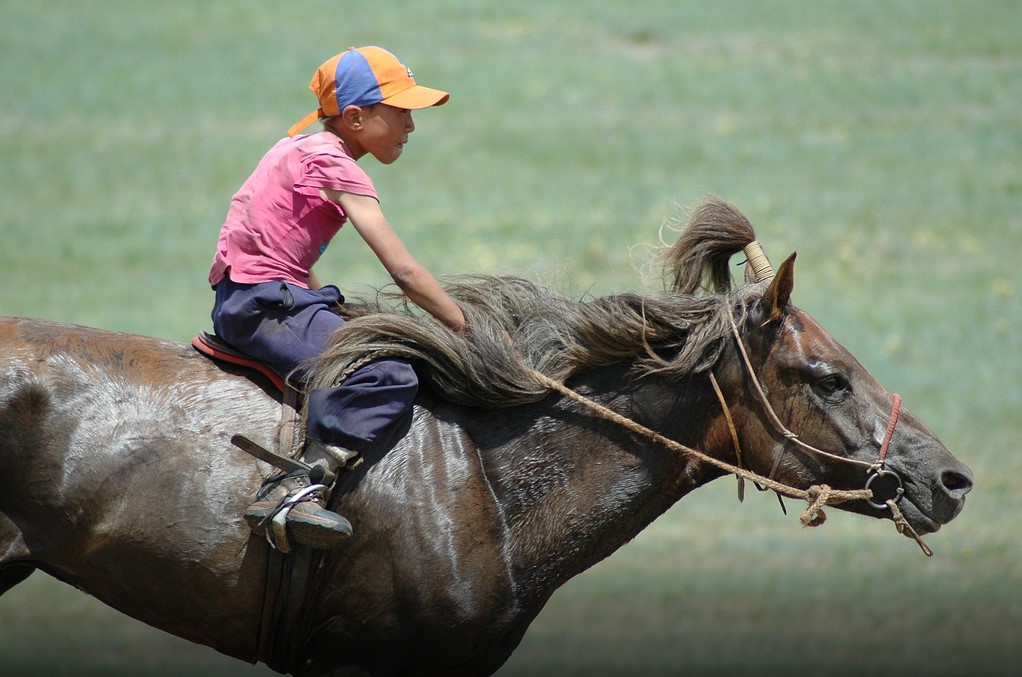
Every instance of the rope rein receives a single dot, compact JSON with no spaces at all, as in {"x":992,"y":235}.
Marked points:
{"x":817,"y":496}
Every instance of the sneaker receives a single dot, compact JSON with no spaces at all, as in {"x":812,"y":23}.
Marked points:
{"x":306,"y":520}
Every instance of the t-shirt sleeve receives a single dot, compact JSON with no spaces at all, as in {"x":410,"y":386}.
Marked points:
{"x":324,"y":170}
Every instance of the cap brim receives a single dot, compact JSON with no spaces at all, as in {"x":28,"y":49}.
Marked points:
{"x":417,"y":97}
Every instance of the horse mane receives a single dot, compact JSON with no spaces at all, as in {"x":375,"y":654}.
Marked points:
{"x":518,"y":327}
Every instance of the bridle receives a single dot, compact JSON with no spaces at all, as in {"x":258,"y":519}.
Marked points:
{"x":763,"y":271}
{"x":877,"y":473}
{"x":817,"y":495}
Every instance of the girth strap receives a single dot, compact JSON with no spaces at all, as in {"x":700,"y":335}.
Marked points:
{"x":286,"y":597}
{"x":288,"y":591}
{"x":285,"y":614}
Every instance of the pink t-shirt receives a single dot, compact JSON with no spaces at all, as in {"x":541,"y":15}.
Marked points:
{"x":278,"y":225}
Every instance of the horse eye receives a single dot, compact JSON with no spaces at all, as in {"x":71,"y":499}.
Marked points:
{"x":831,"y":384}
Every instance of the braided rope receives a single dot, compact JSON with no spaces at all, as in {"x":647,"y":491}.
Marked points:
{"x":370,"y":356}
{"x":905,"y":529}
{"x":816,"y":495}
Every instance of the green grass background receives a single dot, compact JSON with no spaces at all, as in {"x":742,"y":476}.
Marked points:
{"x":881,"y":139}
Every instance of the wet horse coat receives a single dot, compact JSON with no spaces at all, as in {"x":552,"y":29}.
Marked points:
{"x":117,"y":475}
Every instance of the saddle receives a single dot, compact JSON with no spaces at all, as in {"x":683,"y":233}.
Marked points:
{"x":214,"y":347}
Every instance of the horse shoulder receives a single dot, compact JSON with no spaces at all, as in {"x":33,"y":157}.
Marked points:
{"x":431,"y":546}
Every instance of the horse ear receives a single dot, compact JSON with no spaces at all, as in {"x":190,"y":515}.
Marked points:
{"x":778,"y":294}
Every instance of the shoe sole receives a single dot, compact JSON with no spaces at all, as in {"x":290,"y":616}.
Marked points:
{"x":304,"y":529}
{"x":317,"y":535}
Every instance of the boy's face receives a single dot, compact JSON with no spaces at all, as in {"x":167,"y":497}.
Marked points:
{"x":381,"y":130}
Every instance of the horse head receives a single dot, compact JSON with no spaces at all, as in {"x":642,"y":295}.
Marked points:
{"x":809,"y":414}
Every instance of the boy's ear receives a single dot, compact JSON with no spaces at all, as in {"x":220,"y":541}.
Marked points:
{"x":351,"y":116}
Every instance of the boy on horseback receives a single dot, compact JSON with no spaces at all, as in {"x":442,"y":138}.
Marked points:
{"x":270,"y":304}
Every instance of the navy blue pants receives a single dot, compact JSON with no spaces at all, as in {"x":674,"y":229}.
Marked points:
{"x":288,"y":326}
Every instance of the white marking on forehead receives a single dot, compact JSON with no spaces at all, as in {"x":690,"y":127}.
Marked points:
{"x":798,"y":345}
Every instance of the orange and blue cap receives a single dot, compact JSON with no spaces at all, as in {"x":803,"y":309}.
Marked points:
{"x":365,"y":76}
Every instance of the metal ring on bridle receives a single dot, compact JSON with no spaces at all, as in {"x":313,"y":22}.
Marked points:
{"x":881,"y":502}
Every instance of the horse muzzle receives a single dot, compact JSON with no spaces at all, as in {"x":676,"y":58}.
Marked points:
{"x":932,"y":499}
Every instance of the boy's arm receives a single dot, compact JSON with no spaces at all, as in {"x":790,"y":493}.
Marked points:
{"x":412,"y":277}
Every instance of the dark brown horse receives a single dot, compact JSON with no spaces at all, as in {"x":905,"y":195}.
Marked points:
{"x":117,"y":474}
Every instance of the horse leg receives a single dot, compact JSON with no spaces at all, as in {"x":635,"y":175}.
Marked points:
{"x":12,"y":574}
{"x":13,"y":568}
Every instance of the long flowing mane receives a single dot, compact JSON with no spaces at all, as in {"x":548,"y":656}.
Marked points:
{"x":517,"y":326}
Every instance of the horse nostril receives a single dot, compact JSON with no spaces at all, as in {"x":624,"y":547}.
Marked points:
{"x":956,"y":483}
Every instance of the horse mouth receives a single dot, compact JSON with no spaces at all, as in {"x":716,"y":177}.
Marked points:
{"x":922,"y":524}
{"x":925,"y":522}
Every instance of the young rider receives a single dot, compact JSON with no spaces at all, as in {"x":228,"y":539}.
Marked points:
{"x":270,"y":304}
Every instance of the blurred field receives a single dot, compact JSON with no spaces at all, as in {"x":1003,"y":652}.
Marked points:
{"x":881,"y":139}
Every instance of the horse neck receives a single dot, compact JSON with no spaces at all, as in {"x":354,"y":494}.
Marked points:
{"x":579,"y":487}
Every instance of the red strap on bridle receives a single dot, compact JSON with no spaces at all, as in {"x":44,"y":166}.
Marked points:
{"x":891,"y":423}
